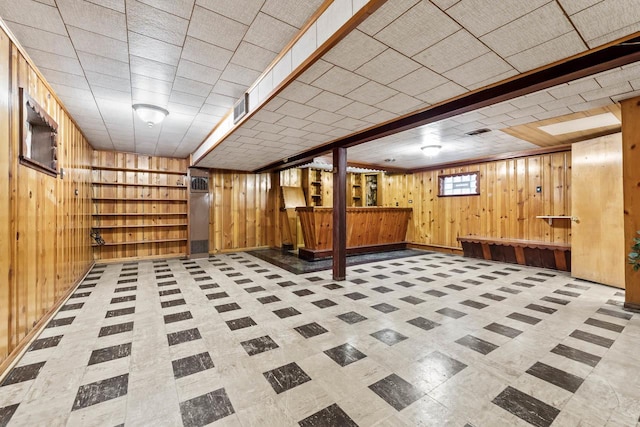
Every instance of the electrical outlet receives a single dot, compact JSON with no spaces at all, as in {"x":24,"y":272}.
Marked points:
{"x":538,"y":189}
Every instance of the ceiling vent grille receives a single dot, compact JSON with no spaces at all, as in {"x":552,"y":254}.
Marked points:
{"x":478,"y":132}
{"x":240,"y":108}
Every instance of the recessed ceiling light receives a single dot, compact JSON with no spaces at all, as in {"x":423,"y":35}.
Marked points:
{"x":431,"y":150}
{"x":578,"y":125}
{"x":150,"y":114}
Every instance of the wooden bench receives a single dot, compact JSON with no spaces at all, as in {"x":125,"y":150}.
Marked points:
{"x":556,"y":256}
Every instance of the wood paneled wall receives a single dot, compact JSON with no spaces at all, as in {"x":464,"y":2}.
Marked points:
{"x":44,"y":225}
{"x":244,"y":210}
{"x":506,"y":207}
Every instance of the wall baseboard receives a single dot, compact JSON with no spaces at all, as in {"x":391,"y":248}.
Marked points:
{"x":437,"y":248}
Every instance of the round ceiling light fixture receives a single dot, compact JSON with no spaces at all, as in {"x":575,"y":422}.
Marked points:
{"x":150,"y":114}
{"x":431,"y":150}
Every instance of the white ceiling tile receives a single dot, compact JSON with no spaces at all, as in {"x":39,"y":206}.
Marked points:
{"x":572,"y":89}
{"x":206,"y":54}
{"x":238,"y":74}
{"x":103,"y":65}
{"x":124,"y":98}
{"x":156,"y":50}
{"x":608,"y":91}
{"x":59,"y":77}
{"x":325,"y":117}
{"x":420,"y":27}
{"x":140,"y":96}
{"x":270,"y":33}
{"x":418,"y":82}
{"x":69,"y":92}
{"x":214,"y":110}
{"x":35,"y":38}
{"x":386,"y":14}
{"x":299,"y":92}
{"x":251,"y":56}
{"x":111,"y":82}
{"x":314,"y":71}
{"x":329,"y":102}
{"x":274,"y":104}
{"x":351,"y":124}
{"x":216,"y":29}
{"x":619,"y":75}
{"x":96,"y":44}
{"x":150,"y":84}
{"x":451,"y":52}
{"x":232,"y":90}
{"x":533,"y":99}
{"x":357,"y":110}
{"x":181,"y":8}
{"x":317,"y":128}
{"x":574,"y":6}
{"x":153,"y":69}
{"x":155,"y":23}
{"x":554,"y":113}
{"x":293,"y":122}
{"x":387,"y":67}
{"x":243,"y":11}
{"x":483,"y":16}
{"x":354,"y":50}
{"x":117,"y":5}
{"x":400,"y":104}
{"x":553,"y":50}
{"x":186,"y":99}
{"x":193,"y":87}
{"x":221,"y":100}
{"x":479,"y":69}
{"x":523,"y":112}
{"x":294,"y":133}
{"x":607,"y":21}
{"x":626,"y":95}
{"x":444,"y":4}
{"x":267,"y":117}
{"x":294,"y":12}
{"x":34,"y":14}
{"x":263,"y":127}
{"x":493,"y":79}
{"x":197,"y":72}
{"x":371,"y":93}
{"x":93,"y":18}
{"x":55,"y":62}
{"x":339,"y":80}
{"x":590,"y":105}
{"x":295,"y":109}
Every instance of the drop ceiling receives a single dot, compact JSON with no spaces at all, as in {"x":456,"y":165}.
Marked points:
{"x":197,"y":57}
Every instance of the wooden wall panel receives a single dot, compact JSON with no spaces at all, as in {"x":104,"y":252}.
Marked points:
{"x":44,"y":224}
{"x":244,"y":210}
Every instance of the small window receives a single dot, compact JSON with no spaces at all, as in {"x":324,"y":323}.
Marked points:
{"x":39,"y":136}
{"x":460,"y":184}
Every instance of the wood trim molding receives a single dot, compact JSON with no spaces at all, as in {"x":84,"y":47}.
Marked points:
{"x":17,"y":352}
{"x":377,"y":167}
{"x":438,"y":248}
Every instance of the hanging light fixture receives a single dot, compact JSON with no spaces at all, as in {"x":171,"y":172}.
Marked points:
{"x":431,"y":150}
{"x":150,"y":114}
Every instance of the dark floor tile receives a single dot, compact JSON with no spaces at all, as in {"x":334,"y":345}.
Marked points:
{"x":493,"y":297}
{"x":405,"y":284}
{"x":503,"y":330}
{"x":604,"y":325}
{"x":592,"y":338}
{"x":254,"y":289}
{"x":64,"y":321}
{"x":169,"y":292}
{"x":526,"y":407}
{"x":68,"y":307}
{"x":209,"y":286}
{"x":355,"y":296}
{"x":177,"y":317}
{"x":273,"y":276}
{"x":500,"y":273}
{"x":324,"y":303}
{"x":7,"y":412}
{"x":358,"y":281}
{"x":456,"y":287}
{"x":241,"y":323}
{"x":123,"y":299}
{"x":554,"y":300}
{"x":205,"y":409}
{"x":567,"y":293}
{"x":351,"y":317}
{"x":236,"y":274}
{"x":477,"y":344}
{"x":450,"y":312}
{"x":614,"y":313}
{"x":577,"y":355}
{"x":286,"y":312}
{"x":333,"y":286}
{"x":110,"y":353}
{"x":535,"y":279}
{"x":435,"y":293}
{"x":126,"y":289}
{"x":472,"y":282}
{"x":310,"y":330}
{"x":123,"y":281}
{"x":287,"y":284}
{"x":385,"y":308}
{"x":167,"y":283}
{"x":43,"y":343}
{"x":227,"y":307}
{"x":380,"y":277}
{"x":439,"y":367}
{"x":556,"y":376}
{"x":509,"y":290}
{"x":180,"y":337}
{"x":101,"y":391}
{"x":217,"y":295}
{"x":87,"y":286}
{"x":423,"y":323}
{"x":382,"y":289}
{"x":424,"y":279}
{"x":541,"y":308}
{"x":163,"y":276}
{"x":22,"y":373}
{"x":286,"y":377}
{"x":412,"y":300}
{"x":400,"y":272}
{"x":80,"y":295}
{"x":303,"y":292}
{"x":524,"y":318}
{"x":172,"y":303}
{"x":330,"y":416}
{"x":259,"y":345}
{"x":484,"y":276}
{"x":115,"y":329}
{"x":474,"y":304}
{"x":345,"y":354}
{"x":523,"y":285}
{"x":581,"y":287}
{"x":161,"y":270}
{"x":191,"y":365}
{"x":193,"y":273}
{"x":268,"y":299}
{"x":202,"y":278}
{"x":396,"y":391}
{"x":243,"y":281}
{"x":388,"y":336}
{"x":443,"y":275}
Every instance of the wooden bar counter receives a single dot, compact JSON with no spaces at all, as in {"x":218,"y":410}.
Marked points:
{"x":371,"y":229}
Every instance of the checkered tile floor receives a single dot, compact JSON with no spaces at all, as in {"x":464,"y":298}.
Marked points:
{"x":424,"y":340}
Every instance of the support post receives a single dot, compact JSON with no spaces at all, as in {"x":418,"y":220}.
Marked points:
{"x":339,"y":213}
{"x":631,"y":186}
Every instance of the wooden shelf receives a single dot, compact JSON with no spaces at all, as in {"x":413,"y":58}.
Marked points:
{"x":140,"y":242}
{"x":138,"y":200}
{"x":140,"y":214}
{"x":104,"y":227}
{"x":117,"y":169}
{"x":124,"y":184}
{"x":550,"y":218}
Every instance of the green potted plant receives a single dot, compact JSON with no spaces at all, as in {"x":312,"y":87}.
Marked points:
{"x":634,"y":255}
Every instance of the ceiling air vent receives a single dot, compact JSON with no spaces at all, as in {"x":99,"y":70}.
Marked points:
{"x":478,"y":132}
{"x":240,"y":108}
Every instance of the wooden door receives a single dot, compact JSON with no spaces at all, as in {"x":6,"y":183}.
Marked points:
{"x":597,"y":242}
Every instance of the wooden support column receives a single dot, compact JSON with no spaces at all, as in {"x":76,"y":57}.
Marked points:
{"x":339,"y":213}
{"x":631,"y":185}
